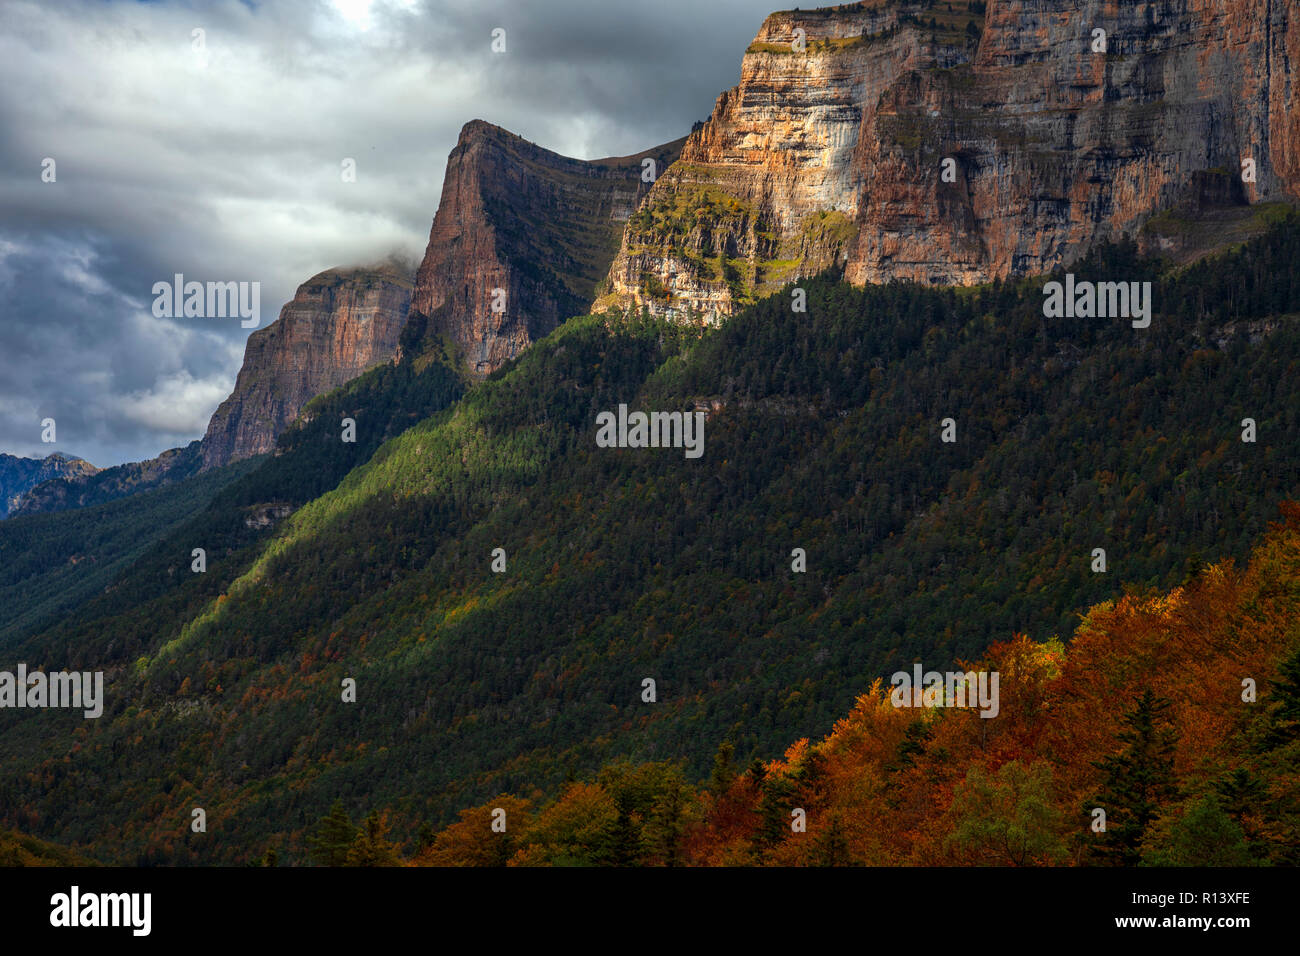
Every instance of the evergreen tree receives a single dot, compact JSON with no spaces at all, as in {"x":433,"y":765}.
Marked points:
{"x":627,"y":836}
{"x":334,"y":836}
{"x":1139,"y":781}
{"x":1284,"y":709}
{"x":371,"y":846}
{"x":427,"y":835}
{"x":724,"y":770}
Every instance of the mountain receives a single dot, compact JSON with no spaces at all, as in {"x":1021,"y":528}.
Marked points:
{"x":51,"y":563}
{"x":18,"y":476}
{"x":541,"y":227}
{"x":834,"y":152}
{"x":823,"y":432}
{"x":338,"y":324}
{"x":514,"y":216}
{"x":82,"y":489}
{"x":497,"y":586}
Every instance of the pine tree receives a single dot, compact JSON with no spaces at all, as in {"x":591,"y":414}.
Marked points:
{"x":426,"y":836}
{"x":1139,"y":781}
{"x":371,"y":846}
{"x":333,"y":838}
{"x":627,"y":836}
{"x":724,"y":771}
{"x":1284,"y":709}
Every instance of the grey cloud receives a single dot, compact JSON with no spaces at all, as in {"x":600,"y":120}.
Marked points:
{"x":226,"y":166}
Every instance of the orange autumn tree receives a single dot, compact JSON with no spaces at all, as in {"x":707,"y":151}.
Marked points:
{"x":1217,"y":660}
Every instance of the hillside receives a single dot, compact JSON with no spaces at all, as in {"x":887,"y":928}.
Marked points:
{"x":49,"y":564}
{"x":1150,"y":687}
{"x":823,"y":433}
{"x":17,"y":849}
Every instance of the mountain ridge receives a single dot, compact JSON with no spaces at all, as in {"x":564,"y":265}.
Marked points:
{"x":627,"y":563}
{"x":539,"y":227}
{"x":19,"y":476}
{"x":498,"y":191}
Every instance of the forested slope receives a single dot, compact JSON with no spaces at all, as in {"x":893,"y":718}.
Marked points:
{"x":824,"y":433}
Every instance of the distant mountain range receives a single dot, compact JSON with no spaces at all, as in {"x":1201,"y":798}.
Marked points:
{"x":18,"y":476}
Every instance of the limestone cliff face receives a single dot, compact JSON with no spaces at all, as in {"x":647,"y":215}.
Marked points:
{"x":339,"y":323}
{"x":832,"y":147}
{"x":541,"y":227}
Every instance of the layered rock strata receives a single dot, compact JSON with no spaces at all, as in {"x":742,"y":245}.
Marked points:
{"x":522,"y":239}
{"x":957,"y":142}
{"x":339,"y":324}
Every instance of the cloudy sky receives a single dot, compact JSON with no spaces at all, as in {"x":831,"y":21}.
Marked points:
{"x":217,"y":154}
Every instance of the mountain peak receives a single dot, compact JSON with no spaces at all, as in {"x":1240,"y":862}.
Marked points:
{"x":522,"y":238}
{"x":339,"y":323}
{"x":19,"y":476}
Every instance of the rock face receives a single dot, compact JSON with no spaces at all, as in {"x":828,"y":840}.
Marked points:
{"x":339,"y":324}
{"x":18,"y":476}
{"x":832,"y":148}
{"x":540,"y":227}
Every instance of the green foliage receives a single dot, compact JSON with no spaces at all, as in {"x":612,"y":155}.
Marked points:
{"x":1139,"y":782}
{"x":1205,"y":835}
{"x":1284,"y":708}
{"x":335,"y":835}
{"x":1008,"y":817}
{"x":371,"y":846}
{"x":51,"y":562}
{"x":18,"y":849}
{"x":724,"y":770}
{"x":652,"y":801}
{"x":626,"y":563}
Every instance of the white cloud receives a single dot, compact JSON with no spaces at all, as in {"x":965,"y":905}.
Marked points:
{"x":177,"y":404}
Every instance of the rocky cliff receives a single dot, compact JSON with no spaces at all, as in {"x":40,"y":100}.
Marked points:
{"x":18,"y":476}
{"x":832,"y":148}
{"x":339,"y":323}
{"x":540,"y":227}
